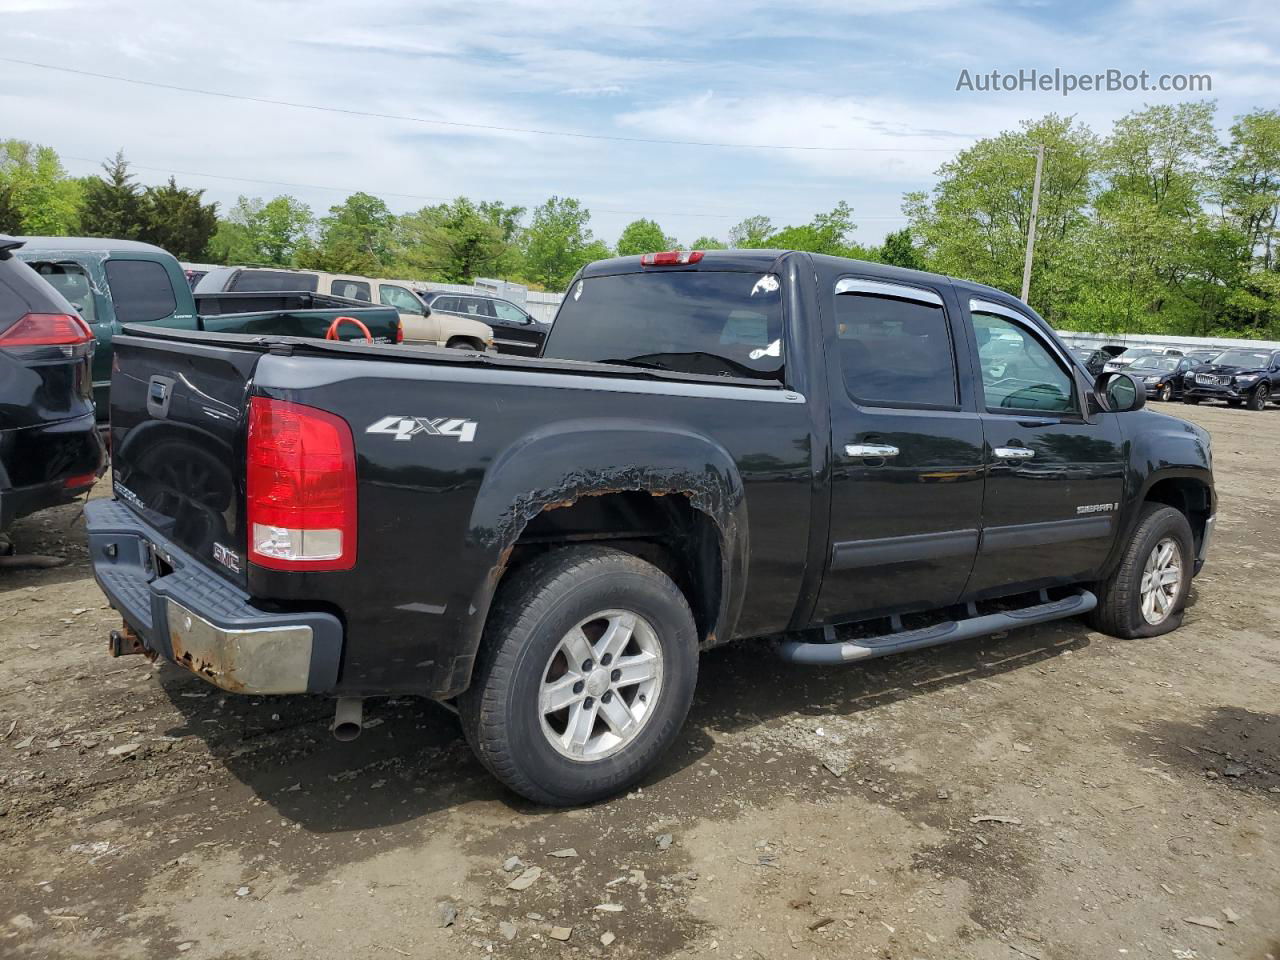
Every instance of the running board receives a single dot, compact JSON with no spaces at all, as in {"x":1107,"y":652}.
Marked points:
{"x":948,"y":632}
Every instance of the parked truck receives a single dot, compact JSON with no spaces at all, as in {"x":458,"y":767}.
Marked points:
{"x":738,"y":444}
{"x":116,"y":282}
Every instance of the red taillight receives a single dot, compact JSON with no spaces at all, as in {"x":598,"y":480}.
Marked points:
{"x":399,"y":333}
{"x":47,"y":330}
{"x":301,"y":487}
{"x":671,"y":258}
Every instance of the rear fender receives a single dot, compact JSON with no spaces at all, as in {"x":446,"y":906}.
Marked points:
{"x":555,"y":466}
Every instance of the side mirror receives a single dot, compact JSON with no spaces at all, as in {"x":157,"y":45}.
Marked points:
{"x":1120,"y":392}
{"x":426,"y":310}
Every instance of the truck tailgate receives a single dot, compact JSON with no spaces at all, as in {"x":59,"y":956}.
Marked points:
{"x":178,"y":412}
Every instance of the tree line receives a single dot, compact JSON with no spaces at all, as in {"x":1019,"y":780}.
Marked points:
{"x":1161,"y":226}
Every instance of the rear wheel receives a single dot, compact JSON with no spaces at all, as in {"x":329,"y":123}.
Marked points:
{"x":1145,"y":595}
{"x":1258,"y":399}
{"x":584,"y":678}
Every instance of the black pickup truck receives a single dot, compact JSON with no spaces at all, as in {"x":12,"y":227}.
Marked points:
{"x":844,"y":458}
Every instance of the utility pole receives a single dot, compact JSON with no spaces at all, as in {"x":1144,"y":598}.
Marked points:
{"x":1031,"y":229}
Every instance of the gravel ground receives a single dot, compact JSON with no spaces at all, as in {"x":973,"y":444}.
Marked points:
{"x":1052,"y":793}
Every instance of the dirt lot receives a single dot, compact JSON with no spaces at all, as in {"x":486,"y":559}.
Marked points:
{"x":1052,"y":793}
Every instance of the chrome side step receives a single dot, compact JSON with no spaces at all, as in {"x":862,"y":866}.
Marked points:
{"x":903,"y":640}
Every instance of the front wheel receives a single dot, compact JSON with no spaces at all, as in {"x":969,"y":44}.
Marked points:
{"x":1258,"y":399}
{"x":1145,"y":595}
{"x":1191,"y":400}
{"x":584,"y":678}
{"x":1166,"y":393}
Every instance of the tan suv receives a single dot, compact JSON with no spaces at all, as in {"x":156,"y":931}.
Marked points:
{"x":420,"y":325}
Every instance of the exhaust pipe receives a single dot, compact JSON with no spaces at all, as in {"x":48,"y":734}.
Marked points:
{"x":348,"y":718}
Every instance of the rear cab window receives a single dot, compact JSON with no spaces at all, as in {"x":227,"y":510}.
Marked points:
{"x":351,"y":289}
{"x":715,"y":323}
{"x":274,"y":281}
{"x":141,"y":291}
{"x":70,"y":280}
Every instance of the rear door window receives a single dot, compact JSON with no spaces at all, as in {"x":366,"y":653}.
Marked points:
{"x":351,"y":289}
{"x":703,"y":322}
{"x":894,"y":345}
{"x":140,"y":290}
{"x":476,"y":307}
{"x":274,"y":281}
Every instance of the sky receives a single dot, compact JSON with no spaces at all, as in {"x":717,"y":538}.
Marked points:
{"x":872,"y":83}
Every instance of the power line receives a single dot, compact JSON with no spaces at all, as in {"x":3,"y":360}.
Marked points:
{"x":420,"y":196}
{"x":469,"y":126}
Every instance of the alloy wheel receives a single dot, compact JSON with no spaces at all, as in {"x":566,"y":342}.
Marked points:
{"x":600,"y":685}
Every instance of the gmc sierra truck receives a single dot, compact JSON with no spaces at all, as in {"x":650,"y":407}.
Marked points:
{"x":843,"y":458}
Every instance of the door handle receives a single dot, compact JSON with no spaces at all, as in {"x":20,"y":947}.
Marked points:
{"x":1014,"y":453}
{"x":870,"y":450}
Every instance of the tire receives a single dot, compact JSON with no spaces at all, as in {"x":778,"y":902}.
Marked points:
{"x":1191,"y":400}
{"x":529,"y":625}
{"x":462,"y":343}
{"x":1258,"y":399}
{"x":1165,"y":394}
{"x":1120,"y":598}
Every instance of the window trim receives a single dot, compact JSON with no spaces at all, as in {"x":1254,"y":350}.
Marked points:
{"x":857,"y":286}
{"x":1025,"y":323}
{"x":883,"y":288}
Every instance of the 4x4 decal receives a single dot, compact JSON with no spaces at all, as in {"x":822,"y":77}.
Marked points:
{"x":404,"y":428}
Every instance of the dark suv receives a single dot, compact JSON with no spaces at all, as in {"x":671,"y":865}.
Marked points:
{"x":515,"y":331}
{"x":1242,"y":376}
{"x":49,"y":445}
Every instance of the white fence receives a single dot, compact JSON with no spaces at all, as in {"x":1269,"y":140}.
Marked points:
{"x":1161,"y":340}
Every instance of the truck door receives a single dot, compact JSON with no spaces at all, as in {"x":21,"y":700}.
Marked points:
{"x":1055,"y":476}
{"x":907,"y":469}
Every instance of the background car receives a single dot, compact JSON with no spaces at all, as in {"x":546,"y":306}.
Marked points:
{"x":514,"y":330}
{"x":420,"y":324}
{"x":1242,"y":376}
{"x":1122,"y":361}
{"x":1161,"y":375}
{"x":50,"y":449}
{"x":1095,"y":358}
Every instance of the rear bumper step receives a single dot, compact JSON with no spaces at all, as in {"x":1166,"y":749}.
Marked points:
{"x":948,"y":632}
{"x":190,"y":616}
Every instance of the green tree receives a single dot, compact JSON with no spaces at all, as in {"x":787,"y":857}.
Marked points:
{"x":113,"y":205}
{"x":176,"y":219}
{"x":643,"y":236}
{"x":558,"y":241}
{"x":1150,"y":225}
{"x":36,"y":194}
{"x":459,"y":240}
{"x":898,"y":250}
{"x":974,"y":221}
{"x":828,"y":233}
{"x":708,"y":243}
{"x":354,"y":238}
{"x":1249,"y":183}
{"x":752,"y":233}
{"x":281,"y":229}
